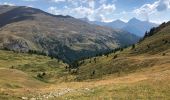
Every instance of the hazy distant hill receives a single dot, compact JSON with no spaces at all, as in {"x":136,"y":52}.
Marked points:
{"x":133,"y":26}
{"x":117,"y":24}
{"x":24,"y":28}
{"x":138,"y":27}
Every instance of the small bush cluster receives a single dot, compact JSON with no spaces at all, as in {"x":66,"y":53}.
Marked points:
{"x":41,"y":75}
{"x":37,"y":52}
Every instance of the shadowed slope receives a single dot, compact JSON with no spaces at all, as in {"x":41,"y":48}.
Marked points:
{"x":25,"y":28}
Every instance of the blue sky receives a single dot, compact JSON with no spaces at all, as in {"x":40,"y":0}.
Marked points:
{"x":102,"y":10}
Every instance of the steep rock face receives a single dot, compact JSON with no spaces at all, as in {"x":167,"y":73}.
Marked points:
{"x":25,"y":28}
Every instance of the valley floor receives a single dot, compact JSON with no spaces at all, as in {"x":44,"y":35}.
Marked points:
{"x":151,"y":83}
{"x":142,"y":85}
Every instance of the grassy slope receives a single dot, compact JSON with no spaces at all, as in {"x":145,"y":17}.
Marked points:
{"x":18,"y":71}
{"x":141,"y":73}
{"x":145,"y":54}
{"x":148,"y":84}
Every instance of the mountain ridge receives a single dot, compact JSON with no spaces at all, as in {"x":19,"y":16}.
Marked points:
{"x":138,"y":27}
{"x":64,"y":37}
{"x":133,"y":26}
{"x":139,"y":71}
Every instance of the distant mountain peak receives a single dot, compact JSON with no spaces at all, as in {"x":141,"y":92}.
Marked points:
{"x":138,"y":27}
{"x":134,"y":20}
{"x":118,"y":20}
{"x":134,"y":25}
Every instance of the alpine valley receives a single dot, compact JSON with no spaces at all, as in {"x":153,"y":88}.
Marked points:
{"x":56,"y":57}
{"x":24,"y":28}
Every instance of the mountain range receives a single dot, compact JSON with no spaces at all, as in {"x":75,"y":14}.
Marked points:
{"x":25,"y":28}
{"x":138,"y":71}
{"x":134,"y":26}
{"x":55,"y":57}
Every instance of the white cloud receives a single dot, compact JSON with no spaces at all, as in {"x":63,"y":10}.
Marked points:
{"x":73,"y":2}
{"x":102,"y":1}
{"x":105,"y":19}
{"x":92,"y":4}
{"x":100,"y":14}
{"x":29,"y":0}
{"x":163,"y":5}
{"x":53,"y":10}
{"x":159,"y":21}
{"x":75,"y":12}
{"x":83,"y":11}
{"x":106,"y":9}
{"x":160,"y":5}
{"x":7,"y":3}
{"x":57,"y":1}
{"x":149,"y":9}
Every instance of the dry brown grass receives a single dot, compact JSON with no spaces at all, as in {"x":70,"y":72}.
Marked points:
{"x":148,"y":83}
